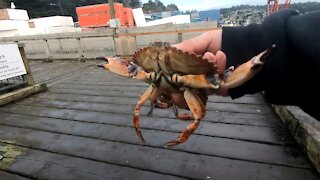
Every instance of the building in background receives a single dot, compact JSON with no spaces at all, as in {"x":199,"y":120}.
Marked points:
{"x":195,"y":17}
{"x":161,"y":15}
{"x":210,"y":15}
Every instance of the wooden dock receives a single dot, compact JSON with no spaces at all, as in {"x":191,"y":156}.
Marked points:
{"x":82,"y":129}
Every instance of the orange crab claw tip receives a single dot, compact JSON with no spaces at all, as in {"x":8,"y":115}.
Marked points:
{"x":264,"y":55}
{"x":140,"y":135}
{"x":172,"y":143}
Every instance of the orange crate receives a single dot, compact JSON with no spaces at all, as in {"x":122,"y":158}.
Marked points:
{"x":94,"y":20}
{"x":99,"y":8}
{"x":93,"y":9}
{"x":128,"y":16}
{"x":127,"y":11}
{"x":99,"y":15}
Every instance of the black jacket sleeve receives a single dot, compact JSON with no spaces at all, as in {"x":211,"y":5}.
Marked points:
{"x":291,"y":75}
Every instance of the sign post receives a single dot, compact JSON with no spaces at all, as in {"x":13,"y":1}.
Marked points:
{"x":26,"y":64}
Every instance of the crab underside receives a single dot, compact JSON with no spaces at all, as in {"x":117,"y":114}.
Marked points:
{"x":180,"y":79}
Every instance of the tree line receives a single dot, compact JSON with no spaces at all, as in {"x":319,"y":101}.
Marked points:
{"x":44,"y":8}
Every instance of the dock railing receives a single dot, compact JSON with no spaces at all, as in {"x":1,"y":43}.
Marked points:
{"x":92,"y":43}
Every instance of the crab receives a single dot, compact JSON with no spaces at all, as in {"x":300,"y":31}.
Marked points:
{"x":180,"y":79}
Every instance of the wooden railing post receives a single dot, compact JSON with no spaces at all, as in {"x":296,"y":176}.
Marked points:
{"x":26,"y":65}
{"x":79,"y":47}
{"x":47,"y":49}
{"x":180,"y":37}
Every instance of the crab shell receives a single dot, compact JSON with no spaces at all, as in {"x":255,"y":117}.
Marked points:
{"x":160,"y":55}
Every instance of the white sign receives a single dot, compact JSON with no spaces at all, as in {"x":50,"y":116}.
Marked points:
{"x":11,"y":63}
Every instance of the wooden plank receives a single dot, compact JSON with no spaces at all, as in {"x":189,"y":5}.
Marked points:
{"x":41,"y":67}
{"x":118,"y":83}
{"x":211,"y":106}
{"x":305,"y":130}
{"x":138,"y":90}
{"x":116,"y":116}
{"x":94,"y":81}
{"x":45,"y":165}
{"x":228,"y":148}
{"x":36,"y":65}
{"x":62,"y":74}
{"x":11,"y":176}
{"x":129,"y":100}
{"x":65,"y":68}
{"x":221,"y":117}
{"x":52,"y":67}
{"x":21,"y":93}
{"x":55,"y":67}
{"x":168,"y":161}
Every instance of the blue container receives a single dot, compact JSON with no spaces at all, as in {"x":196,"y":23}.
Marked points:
{"x":210,"y":15}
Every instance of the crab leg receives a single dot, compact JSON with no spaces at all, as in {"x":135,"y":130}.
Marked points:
{"x":183,"y":117}
{"x":197,"y":108}
{"x":151,"y":93}
{"x":158,"y":104}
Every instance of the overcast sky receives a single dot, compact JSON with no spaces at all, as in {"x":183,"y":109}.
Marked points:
{"x":216,"y":4}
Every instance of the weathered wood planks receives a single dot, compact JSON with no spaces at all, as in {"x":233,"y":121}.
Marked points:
{"x":82,"y":128}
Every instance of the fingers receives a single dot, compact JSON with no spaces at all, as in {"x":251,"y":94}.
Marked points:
{"x":208,"y":41}
{"x":210,"y":56}
{"x":220,"y":59}
{"x":186,"y":46}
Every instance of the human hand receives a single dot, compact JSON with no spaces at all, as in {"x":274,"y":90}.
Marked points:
{"x":208,"y":45}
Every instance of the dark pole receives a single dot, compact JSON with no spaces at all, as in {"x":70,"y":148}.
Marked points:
{"x":1,"y":4}
{"x":112,"y":16}
{"x":111,"y":8}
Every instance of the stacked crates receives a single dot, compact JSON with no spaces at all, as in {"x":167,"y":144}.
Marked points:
{"x":99,"y":15}
{"x":128,"y":16}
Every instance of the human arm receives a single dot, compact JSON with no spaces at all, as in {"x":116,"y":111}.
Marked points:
{"x":291,"y":75}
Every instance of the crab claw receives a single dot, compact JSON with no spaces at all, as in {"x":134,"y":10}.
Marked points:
{"x":247,"y":70}
{"x":115,"y":65}
{"x":259,"y":60}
